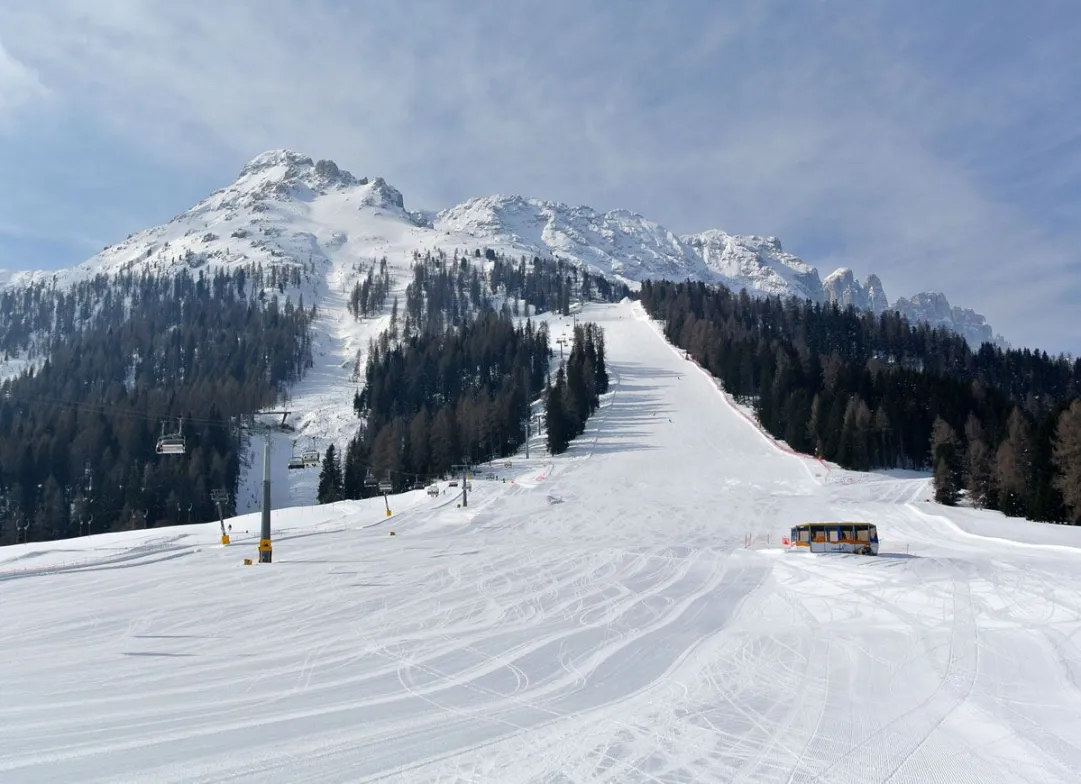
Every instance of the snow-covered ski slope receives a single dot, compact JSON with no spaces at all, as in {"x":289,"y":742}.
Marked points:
{"x":596,"y":617}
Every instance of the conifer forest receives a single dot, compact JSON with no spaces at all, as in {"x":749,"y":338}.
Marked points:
{"x":121,"y":360}
{"x":118,"y":361}
{"x":1001,"y":428}
{"x":136,"y":357}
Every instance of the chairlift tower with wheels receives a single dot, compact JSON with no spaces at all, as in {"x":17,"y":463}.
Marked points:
{"x":266,"y":429}
{"x":466,"y":468}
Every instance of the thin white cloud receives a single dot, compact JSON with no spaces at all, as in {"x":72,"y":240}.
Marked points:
{"x":58,"y":235}
{"x":936,"y":149}
{"x":18,"y":85}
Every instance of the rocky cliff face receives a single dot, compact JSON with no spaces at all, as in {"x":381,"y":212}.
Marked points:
{"x":840,"y":286}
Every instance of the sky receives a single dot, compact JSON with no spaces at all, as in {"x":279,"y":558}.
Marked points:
{"x":937,"y":145}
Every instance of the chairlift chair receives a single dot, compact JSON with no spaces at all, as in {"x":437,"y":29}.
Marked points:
{"x":310,"y":455}
{"x":173,"y":443}
{"x":295,"y":460}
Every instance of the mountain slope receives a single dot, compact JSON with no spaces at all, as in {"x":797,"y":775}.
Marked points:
{"x":628,"y":245}
{"x":595,"y":617}
{"x":310,"y":230}
{"x":286,"y":208}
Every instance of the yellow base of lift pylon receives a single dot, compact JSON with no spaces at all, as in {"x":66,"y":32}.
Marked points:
{"x":225,"y":538}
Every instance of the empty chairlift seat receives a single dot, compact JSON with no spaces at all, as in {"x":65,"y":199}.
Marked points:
{"x":171,"y":445}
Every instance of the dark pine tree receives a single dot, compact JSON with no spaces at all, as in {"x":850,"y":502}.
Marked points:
{"x":556,"y":424}
{"x":946,"y":462}
{"x":330,"y":478}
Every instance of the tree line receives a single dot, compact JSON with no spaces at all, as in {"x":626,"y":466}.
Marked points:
{"x":437,"y":400}
{"x":450,"y":289}
{"x":42,"y":313}
{"x":78,"y":433}
{"x":575,"y":394}
{"x":879,"y":392}
{"x":451,"y":379}
{"x":121,"y":359}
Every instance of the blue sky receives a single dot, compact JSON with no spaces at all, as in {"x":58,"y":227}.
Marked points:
{"x":935,"y":144}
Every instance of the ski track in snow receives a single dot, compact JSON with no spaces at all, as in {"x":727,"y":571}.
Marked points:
{"x":594,"y":617}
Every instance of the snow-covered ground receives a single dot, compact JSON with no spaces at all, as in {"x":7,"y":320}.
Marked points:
{"x":597,"y":616}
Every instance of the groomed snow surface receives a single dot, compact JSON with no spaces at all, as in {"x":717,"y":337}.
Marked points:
{"x":598,"y":616}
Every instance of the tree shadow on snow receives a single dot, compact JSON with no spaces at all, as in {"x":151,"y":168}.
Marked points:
{"x":644,"y":371}
{"x":603,"y":448}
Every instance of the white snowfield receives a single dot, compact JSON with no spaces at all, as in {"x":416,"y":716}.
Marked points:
{"x":596,"y":617}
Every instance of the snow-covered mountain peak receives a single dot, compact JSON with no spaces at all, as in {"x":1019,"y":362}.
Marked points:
{"x":840,"y":275}
{"x":287,"y":166}
{"x":630,"y":246}
{"x":287,"y":208}
{"x":618,"y":242}
{"x":842,"y":287}
{"x":378,"y":193}
{"x":505,"y":214}
{"x":759,"y":262}
{"x":274,"y":159}
{"x":283,"y":174}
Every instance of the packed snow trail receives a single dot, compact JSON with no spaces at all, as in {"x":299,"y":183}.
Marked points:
{"x":595,"y":617}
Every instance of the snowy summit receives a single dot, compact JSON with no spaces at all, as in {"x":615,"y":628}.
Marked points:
{"x":285,"y":205}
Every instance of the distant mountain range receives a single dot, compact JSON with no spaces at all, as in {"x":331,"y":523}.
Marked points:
{"x":285,"y":207}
